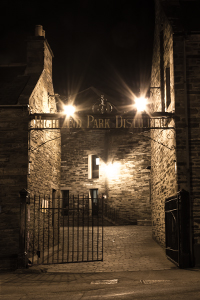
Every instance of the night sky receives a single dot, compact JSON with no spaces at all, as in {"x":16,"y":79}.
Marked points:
{"x":104,"y":44}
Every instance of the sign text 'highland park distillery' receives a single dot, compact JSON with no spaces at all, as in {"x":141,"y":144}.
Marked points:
{"x":92,"y":122}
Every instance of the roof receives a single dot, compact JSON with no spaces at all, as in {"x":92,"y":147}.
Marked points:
{"x":12,"y":83}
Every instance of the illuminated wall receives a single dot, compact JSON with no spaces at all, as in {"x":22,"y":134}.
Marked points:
{"x":123,"y":176}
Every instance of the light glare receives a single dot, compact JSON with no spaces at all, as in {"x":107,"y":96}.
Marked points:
{"x":112,"y":169}
{"x":141,"y":103}
{"x":69,"y":110}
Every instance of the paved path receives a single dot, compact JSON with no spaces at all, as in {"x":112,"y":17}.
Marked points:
{"x":126,"y":248}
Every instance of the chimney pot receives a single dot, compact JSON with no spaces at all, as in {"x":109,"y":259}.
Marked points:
{"x":39,"y":30}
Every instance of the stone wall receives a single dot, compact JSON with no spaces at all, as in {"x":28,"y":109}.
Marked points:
{"x":13,"y":178}
{"x":76,"y":147}
{"x":175,"y":157}
{"x":163,"y":154}
{"x":186,"y":57}
{"x":29,"y":159}
{"x":128,"y":184}
{"x":44,"y":145}
{"x":123,"y":176}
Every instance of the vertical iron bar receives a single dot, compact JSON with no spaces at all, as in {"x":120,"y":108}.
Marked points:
{"x":53,"y":218}
{"x":38,"y":231}
{"x":78,"y":232}
{"x":88,"y":228}
{"x":58,"y":229}
{"x":33,"y":250}
{"x":178,"y":224}
{"x":63,"y":247}
{"x":48,"y":227}
{"x":73,"y":233}
{"x":98,"y":228}
{"x":43,"y":210}
{"x":26,"y":231}
{"x":83,"y":228}
{"x":68,"y":232}
{"x":102,"y":227}
{"x":92,"y":229}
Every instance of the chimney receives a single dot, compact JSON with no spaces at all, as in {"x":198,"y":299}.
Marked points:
{"x":39,"y":31}
{"x":39,"y":53}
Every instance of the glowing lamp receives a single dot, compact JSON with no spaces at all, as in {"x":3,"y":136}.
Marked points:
{"x":112,"y":169}
{"x":141,"y":103}
{"x":69,"y":110}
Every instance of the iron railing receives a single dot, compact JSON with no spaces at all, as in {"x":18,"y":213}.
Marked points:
{"x":57,"y":234}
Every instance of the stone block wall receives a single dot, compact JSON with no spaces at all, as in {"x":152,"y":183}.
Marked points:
{"x":128,"y":184}
{"x":29,"y":159}
{"x":163,"y":178}
{"x":13,"y":178}
{"x":123,"y":176}
{"x":44,"y":145}
{"x":187,"y":68}
{"x":76,"y":147}
{"x":163,"y":144}
{"x":179,"y":167}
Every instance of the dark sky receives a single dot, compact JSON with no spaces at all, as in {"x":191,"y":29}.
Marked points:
{"x":105,"y":44}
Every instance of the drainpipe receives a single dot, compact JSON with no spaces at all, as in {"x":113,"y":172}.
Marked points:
{"x":188,"y":173}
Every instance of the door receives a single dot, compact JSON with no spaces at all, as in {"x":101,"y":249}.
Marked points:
{"x":65,"y":202}
{"x":94,"y":200}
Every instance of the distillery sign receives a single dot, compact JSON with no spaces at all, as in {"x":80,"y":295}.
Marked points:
{"x":93,"y":122}
{"x":90,"y":122}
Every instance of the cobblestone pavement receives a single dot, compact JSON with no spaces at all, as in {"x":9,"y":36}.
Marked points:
{"x":126,"y":248}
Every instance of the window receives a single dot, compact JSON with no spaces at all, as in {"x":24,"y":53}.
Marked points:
{"x":93,"y":166}
{"x":44,"y":205}
{"x":168,"y":92}
{"x":162,"y":70}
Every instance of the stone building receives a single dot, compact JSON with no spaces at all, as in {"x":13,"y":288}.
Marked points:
{"x":175,"y":160}
{"x":29,"y":159}
{"x":123,"y":156}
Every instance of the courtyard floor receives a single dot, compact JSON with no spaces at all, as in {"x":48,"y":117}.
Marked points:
{"x":125,"y":248}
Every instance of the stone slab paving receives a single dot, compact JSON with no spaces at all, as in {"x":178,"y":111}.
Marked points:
{"x":126,"y":248}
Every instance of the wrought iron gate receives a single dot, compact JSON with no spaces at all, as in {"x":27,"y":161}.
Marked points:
{"x":177,"y":229}
{"x":57,"y":233}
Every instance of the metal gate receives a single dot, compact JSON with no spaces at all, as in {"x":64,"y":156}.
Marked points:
{"x":177,"y":229}
{"x":57,"y":233}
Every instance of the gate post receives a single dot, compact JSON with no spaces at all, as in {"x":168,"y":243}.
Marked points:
{"x":24,"y":200}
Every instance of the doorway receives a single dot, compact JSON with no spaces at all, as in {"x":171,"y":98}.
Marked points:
{"x":94,"y":201}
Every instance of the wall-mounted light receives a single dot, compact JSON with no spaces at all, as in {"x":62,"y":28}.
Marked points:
{"x":112,"y":169}
{"x":69,"y":110}
{"x":141,"y":103}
